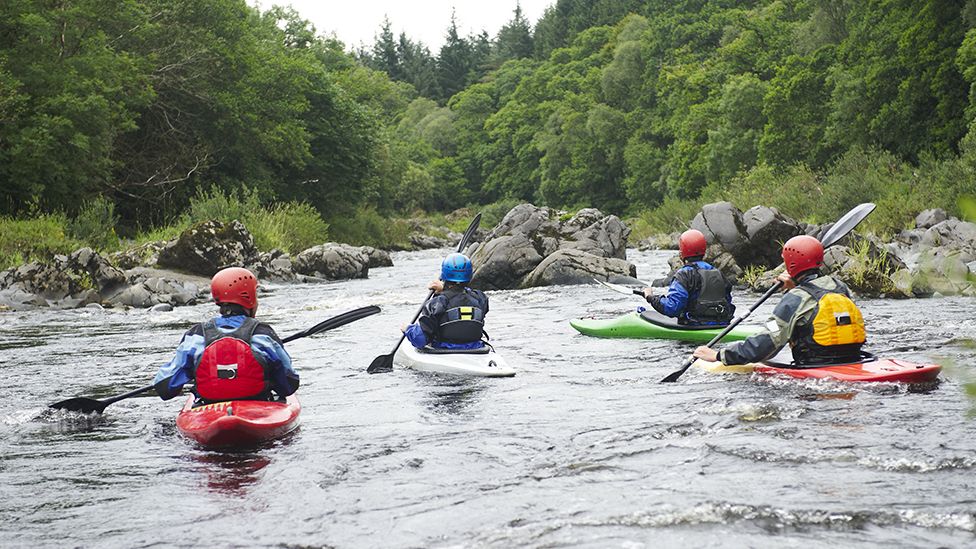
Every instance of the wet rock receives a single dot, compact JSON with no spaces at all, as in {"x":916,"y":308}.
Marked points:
{"x":273,"y":266}
{"x":161,"y":308}
{"x":208,"y":247}
{"x":333,"y":262}
{"x":722,"y":223}
{"x":64,"y":282}
{"x":377,"y":257}
{"x":145,"y":255}
{"x":144,"y":292}
{"x":428,"y":242}
{"x":571,"y":266}
{"x":528,"y":235}
{"x":930,"y":218}
{"x":95,"y":306}
{"x":952,"y":235}
{"x":660,"y":242}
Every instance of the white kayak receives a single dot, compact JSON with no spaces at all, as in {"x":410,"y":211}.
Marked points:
{"x":484,"y":362}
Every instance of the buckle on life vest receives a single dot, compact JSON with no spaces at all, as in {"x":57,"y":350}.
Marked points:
{"x":843,"y":319}
{"x":466,"y":313}
{"x":226,"y":371}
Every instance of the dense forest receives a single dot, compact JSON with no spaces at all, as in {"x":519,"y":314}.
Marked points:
{"x":641,"y":108}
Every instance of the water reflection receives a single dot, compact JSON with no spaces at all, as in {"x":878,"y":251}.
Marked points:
{"x":451,"y":395}
{"x":232,"y":474}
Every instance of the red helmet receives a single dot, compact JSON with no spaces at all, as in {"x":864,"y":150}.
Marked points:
{"x":235,"y":285}
{"x":692,"y":244}
{"x":802,"y":253}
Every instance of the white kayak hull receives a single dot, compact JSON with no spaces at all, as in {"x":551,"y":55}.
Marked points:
{"x":489,"y":364}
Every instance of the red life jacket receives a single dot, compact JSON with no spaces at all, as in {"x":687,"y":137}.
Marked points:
{"x":228,"y":368}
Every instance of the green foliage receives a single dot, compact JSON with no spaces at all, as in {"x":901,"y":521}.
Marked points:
{"x":34,"y":239}
{"x":367,"y":227}
{"x":866,"y":272}
{"x":672,"y":215}
{"x":95,"y":225}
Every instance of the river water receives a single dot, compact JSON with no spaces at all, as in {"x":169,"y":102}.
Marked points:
{"x":582,"y":448}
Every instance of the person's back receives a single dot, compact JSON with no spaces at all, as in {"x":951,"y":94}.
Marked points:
{"x":816,"y":316}
{"x":454,"y":317}
{"x":699,"y":294}
{"x":233,"y":356}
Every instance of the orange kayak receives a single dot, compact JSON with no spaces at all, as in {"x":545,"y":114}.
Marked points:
{"x":238,"y":423}
{"x":870,"y":370}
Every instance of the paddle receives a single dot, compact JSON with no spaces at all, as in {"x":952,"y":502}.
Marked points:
{"x":384,"y":363}
{"x":840,"y":229}
{"x":88,"y":405}
{"x":619,"y":288}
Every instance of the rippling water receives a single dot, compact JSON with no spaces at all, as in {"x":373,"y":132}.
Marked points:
{"x":582,"y":448}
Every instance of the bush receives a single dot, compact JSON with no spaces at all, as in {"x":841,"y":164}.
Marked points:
{"x":292,"y":227}
{"x":367,"y":227}
{"x":674,"y":214}
{"x":95,"y":225}
{"x":218,"y":205}
{"x":34,"y":239}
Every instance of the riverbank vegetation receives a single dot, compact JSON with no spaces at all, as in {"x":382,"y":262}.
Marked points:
{"x":123,"y":120}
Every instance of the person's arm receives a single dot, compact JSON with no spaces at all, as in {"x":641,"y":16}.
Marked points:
{"x":794,"y":306}
{"x":266,"y":344}
{"x":673,"y":302}
{"x":177,"y":372}
{"x":423,"y":331}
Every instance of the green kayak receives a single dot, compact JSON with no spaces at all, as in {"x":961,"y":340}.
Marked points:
{"x":652,"y":325}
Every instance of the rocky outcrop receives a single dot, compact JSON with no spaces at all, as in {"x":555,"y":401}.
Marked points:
{"x":753,"y":238}
{"x":377,"y":257}
{"x":513,"y":253}
{"x":333,"y":261}
{"x":273,"y":266}
{"x":208,"y":247}
{"x":145,"y":255}
{"x":571,"y":266}
{"x":84,"y":278}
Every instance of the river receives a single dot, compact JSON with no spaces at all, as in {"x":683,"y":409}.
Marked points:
{"x":583,"y":448}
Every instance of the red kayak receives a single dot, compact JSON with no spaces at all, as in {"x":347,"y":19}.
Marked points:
{"x":870,"y":369}
{"x":238,"y":423}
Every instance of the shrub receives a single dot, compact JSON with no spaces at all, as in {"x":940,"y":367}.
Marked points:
{"x":33,"y":239}
{"x":367,"y":227}
{"x":95,"y":225}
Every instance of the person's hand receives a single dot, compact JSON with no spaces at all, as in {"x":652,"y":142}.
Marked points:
{"x":706,"y":353}
{"x":787,"y":280}
{"x":404,"y":328}
{"x":648,"y":292}
{"x":437,"y":286}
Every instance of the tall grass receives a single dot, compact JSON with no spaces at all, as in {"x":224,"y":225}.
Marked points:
{"x":33,"y":239}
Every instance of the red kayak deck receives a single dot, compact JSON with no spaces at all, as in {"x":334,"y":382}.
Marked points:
{"x":238,"y":423}
{"x":874,"y":370}
{"x":882,"y":369}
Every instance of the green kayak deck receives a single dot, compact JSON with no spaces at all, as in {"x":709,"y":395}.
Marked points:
{"x":634,"y":326}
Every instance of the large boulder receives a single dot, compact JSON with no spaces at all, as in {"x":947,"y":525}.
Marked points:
{"x":528,"y":235}
{"x":767,"y":230}
{"x":148,"y":292}
{"x":273,"y":266}
{"x":333,"y":261}
{"x":952,"y":235}
{"x":570,"y":266}
{"x":377,"y":257}
{"x":722,"y":224}
{"x":208,"y":247}
{"x":930,"y":218}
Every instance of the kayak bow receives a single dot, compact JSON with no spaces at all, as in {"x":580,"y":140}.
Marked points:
{"x":238,"y":423}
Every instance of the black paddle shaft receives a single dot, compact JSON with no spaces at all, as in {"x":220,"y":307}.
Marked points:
{"x":88,"y":405}
{"x":842,"y":228}
{"x":384,"y":363}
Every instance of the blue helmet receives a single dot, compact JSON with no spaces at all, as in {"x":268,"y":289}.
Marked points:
{"x":456,"y":268}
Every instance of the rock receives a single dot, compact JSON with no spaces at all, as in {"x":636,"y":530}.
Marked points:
{"x":333,"y":262}
{"x":377,"y":257}
{"x":591,"y":231}
{"x":501,"y":263}
{"x":208,"y":247}
{"x":953,"y":235}
{"x":273,"y":266}
{"x":930,"y":218}
{"x":104,"y":275}
{"x":722,"y":223}
{"x":428,"y":242}
{"x":161,"y":308}
{"x":660,"y":242}
{"x":142,"y":256}
{"x":95,"y":306}
{"x":527,"y":235}
{"x":571,"y":266}
{"x":766,"y":230}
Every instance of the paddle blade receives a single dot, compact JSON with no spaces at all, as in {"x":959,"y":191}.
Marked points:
{"x":80,"y":404}
{"x":846,"y":224}
{"x":335,"y":322}
{"x":673,"y":376}
{"x":468,"y":233}
{"x":381,"y":365}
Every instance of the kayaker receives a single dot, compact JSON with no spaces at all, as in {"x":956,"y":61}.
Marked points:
{"x":454,"y":318}
{"x":816,"y":316}
{"x":231,"y":357}
{"x":699,"y":294}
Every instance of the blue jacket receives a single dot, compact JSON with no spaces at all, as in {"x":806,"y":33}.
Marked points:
{"x":684,"y":287}
{"x":264,"y":343}
{"x":424,"y":331}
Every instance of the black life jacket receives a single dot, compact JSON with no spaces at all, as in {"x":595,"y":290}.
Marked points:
{"x":463,"y":320}
{"x":711,"y":304}
{"x":836,"y":332}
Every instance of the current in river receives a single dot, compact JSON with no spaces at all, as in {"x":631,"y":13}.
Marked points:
{"x":583,"y":448}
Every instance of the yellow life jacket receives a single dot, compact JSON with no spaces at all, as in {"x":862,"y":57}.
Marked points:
{"x":837,"y":331}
